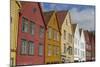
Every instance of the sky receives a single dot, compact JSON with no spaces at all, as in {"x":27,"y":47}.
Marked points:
{"x":83,"y":15}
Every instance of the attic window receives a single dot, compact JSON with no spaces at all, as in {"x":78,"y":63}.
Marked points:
{"x":34,"y":10}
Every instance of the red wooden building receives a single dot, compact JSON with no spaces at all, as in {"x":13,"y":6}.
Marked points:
{"x":30,"y":49}
{"x":92,"y":41}
{"x":88,"y":46}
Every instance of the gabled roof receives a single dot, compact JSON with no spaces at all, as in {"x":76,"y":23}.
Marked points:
{"x":61,"y":16}
{"x":80,"y":31}
{"x":74,"y":28}
{"x":86,"y":34}
{"x":47,"y":16}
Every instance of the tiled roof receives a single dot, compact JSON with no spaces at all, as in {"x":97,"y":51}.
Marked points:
{"x":74,"y":28}
{"x":61,"y":16}
{"x":47,"y":16}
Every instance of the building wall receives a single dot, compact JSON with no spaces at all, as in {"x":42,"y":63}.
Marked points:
{"x":93,"y":47}
{"x":15,"y":7}
{"x":88,"y":46}
{"x":82,"y":47}
{"x":52,"y":58}
{"x":92,"y":41}
{"x":77,"y":44}
{"x":67,"y":27}
{"x":31,"y":11}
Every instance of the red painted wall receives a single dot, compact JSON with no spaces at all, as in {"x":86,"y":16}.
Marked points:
{"x":88,"y":45}
{"x":92,"y":41}
{"x":26,"y":11}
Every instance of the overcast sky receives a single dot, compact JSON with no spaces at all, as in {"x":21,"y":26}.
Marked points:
{"x":84,"y":15}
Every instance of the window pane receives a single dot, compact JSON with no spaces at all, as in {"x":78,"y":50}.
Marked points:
{"x":57,"y":36}
{"x":49,"y":50}
{"x":41,"y":32}
{"x":75,"y":51}
{"x":24,"y":25}
{"x":69,"y":50}
{"x":31,"y":48}
{"x":24,"y":47}
{"x":32,"y":27}
{"x":49,"y":33}
{"x":54,"y":50}
{"x":70,"y":37}
{"x":64,"y":48}
{"x":64,"y":34}
{"x":58,"y":51}
{"x":40,"y":49}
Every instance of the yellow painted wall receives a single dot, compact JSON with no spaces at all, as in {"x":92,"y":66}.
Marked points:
{"x":67,"y":27}
{"x":53,"y":24}
{"x":14,"y":27}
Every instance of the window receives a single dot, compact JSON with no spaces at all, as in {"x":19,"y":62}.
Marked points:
{"x":24,"y":25}
{"x":57,"y":36}
{"x":49,"y":50}
{"x":75,"y":41}
{"x":82,"y":54}
{"x":75,"y":51}
{"x":64,"y":34}
{"x":31,"y":48}
{"x":88,"y":53}
{"x":41,"y":32}
{"x":57,"y":52}
{"x":70,"y":37}
{"x":50,"y":33}
{"x":23,"y":46}
{"x":40,"y":49}
{"x":64,"y":48}
{"x":82,"y":45}
{"x":69,"y":50}
{"x":78,"y":51}
{"x":87,"y":46}
{"x":54,"y":50}
{"x":32,"y":27}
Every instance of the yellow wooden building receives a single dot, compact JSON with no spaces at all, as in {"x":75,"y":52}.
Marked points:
{"x":15,"y":8}
{"x":52,"y":39}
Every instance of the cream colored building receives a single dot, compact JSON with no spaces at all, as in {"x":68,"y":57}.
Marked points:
{"x":64,"y":21}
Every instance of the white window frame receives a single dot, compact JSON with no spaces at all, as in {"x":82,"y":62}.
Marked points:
{"x":24,"y":44}
{"x":31,"y":48}
{"x":41,"y":32}
{"x":40,"y":49}
{"x":24,"y":24}
{"x":32,"y":27}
